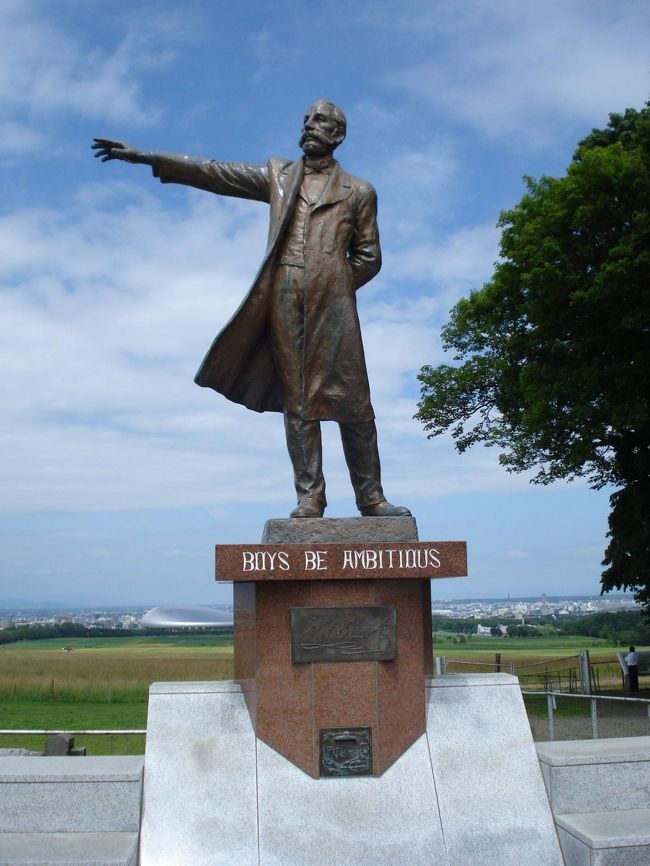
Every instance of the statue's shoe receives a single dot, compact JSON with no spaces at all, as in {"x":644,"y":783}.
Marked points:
{"x":308,"y":506}
{"x":384,"y":509}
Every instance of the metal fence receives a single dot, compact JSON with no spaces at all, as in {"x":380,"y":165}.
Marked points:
{"x":85,"y":731}
{"x":555,"y":715}
{"x":565,"y":673}
{"x":94,"y":741}
{"x":574,"y":673}
{"x":562,"y":696}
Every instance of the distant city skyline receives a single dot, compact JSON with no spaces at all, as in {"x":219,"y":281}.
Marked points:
{"x":615,"y":599}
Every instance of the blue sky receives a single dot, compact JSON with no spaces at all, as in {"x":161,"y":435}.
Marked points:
{"x":119,"y":474}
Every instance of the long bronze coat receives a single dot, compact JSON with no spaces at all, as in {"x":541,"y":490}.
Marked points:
{"x":341,"y":254}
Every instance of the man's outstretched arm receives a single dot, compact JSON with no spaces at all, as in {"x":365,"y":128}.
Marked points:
{"x":108,"y":148}
{"x":223,"y":178}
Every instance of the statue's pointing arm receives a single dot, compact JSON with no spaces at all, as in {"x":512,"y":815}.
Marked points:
{"x":224,"y":178}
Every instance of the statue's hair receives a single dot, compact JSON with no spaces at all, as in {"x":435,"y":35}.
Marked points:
{"x":337,"y":114}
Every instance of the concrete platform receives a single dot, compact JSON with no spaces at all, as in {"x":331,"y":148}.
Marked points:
{"x":596,"y":775}
{"x":620,"y":838}
{"x":469,"y":791}
{"x":68,"y":849}
{"x":599,"y":791}
{"x":66,"y":795}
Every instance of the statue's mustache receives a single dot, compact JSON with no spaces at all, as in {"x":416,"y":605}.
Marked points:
{"x":315,"y":136}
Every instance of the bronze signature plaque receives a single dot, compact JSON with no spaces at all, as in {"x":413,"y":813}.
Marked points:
{"x":346,"y":752}
{"x":343,"y":634}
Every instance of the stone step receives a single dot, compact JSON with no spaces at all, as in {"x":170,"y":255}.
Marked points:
{"x":68,"y":849}
{"x":596,"y":775}
{"x":620,"y":838}
{"x":70,"y":794}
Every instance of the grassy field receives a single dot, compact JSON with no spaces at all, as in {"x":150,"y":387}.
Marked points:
{"x":98,"y":684}
{"x":103,"y":683}
{"x":542,"y":647}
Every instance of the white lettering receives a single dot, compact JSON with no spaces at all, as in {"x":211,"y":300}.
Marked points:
{"x":410,"y":558}
{"x":434,"y":559}
{"x":315,"y":560}
{"x":370,"y":559}
{"x":248,"y":560}
{"x":283,"y":559}
{"x":347,"y":559}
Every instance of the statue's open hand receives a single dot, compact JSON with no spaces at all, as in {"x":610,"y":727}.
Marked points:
{"x":108,"y":149}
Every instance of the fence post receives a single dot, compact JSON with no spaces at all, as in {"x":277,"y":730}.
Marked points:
{"x":497,"y":663}
{"x":549,"y":707}
{"x":585,"y":672}
{"x":594,"y":719}
{"x":438,"y":666}
{"x":649,"y":718}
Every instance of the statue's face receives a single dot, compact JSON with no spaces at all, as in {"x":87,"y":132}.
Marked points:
{"x":320,"y":131}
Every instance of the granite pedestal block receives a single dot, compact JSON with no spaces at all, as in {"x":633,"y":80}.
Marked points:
{"x":291,"y":703}
{"x":468,"y":791}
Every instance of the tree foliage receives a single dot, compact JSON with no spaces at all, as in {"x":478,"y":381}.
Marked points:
{"x":623,"y":627}
{"x":553,"y":354}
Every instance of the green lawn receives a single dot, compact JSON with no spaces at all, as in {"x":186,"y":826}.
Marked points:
{"x":130,"y":643}
{"x":102,"y":683}
{"x":51,"y":715}
{"x":551,"y":647}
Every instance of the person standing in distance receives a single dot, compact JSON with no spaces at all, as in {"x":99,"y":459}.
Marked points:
{"x":632,"y":662}
{"x":294,"y":345}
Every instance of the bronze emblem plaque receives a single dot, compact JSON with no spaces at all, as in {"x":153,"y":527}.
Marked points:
{"x":346,"y":752}
{"x":343,"y":634}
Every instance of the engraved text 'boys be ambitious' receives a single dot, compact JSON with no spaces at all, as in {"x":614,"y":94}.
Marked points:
{"x":355,"y":560}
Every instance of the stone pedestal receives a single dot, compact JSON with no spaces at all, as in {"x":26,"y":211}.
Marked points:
{"x":303,"y":564}
{"x":469,"y":791}
{"x":291,"y":703}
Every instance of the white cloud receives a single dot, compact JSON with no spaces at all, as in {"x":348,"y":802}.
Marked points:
{"x":587,"y":550}
{"x":525,"y":71}
{"x":416,"y":187}
{"x":460,"y":261}
{"x":517,"y":553}
{"x":108,"y":313}
{"x":46,"y":71}
{"x":18,"y":138}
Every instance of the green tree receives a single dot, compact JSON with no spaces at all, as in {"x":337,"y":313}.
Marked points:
{"x":553,"y":354}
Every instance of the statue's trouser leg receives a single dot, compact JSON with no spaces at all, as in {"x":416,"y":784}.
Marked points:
{"x":362,"y":456}
{"x":306,"y":453}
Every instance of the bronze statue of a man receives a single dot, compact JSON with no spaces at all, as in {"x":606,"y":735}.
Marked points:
{"x":294,"y":345}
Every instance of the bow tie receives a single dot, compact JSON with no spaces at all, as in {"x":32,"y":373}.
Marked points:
{"x":318,"y":165}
